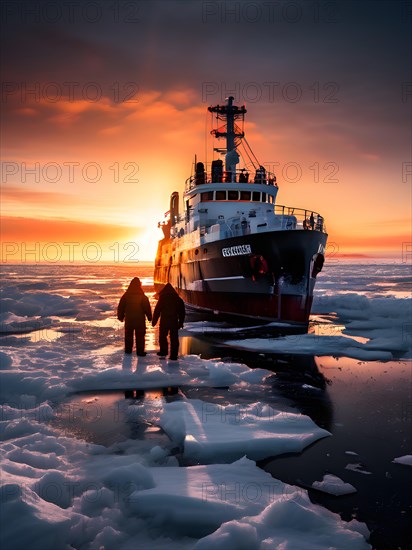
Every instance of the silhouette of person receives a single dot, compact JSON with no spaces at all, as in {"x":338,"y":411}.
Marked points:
{"x":260,"y":175}
{"x":132,"y":309}
{"x":171,"y":310}
{"x":243,"y":176}
{"x":312,"y":221}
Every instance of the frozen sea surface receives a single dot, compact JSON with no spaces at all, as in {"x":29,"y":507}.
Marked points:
{"x":103,"y":451}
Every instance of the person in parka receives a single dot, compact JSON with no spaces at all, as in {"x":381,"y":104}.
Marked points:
{"x":171,"y":310}
{"x":132,"y":309}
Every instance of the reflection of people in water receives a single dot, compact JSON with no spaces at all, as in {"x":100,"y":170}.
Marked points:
{"x":132,"y":309}
{"x":171,"y":310}
{"x":291,"y":374}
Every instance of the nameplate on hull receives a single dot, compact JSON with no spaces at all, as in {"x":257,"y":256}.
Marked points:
{"x":239,"y":250}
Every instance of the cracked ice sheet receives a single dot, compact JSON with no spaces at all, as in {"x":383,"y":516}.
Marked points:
{"x":381,"y":320}
{"x":68,"y":373}
{"x":215,"y":433}
{"x":150,"y":372}
{"x":92,"y":497}
{"x":198,"y":499}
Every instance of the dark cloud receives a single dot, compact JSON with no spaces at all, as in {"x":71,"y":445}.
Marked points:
{"x":350,"y":62}
{"x":175,"y":42}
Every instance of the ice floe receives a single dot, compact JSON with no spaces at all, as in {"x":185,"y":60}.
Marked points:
{"x":333,"y":485}
{"x":357,"y":468}
{"x":214,"y":433}
{"x":406,"y":460}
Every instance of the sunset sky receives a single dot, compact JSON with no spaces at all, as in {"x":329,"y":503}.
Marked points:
{"x":105,"y":105}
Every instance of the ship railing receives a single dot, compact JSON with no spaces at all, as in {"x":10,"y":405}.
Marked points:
{"x":279,"y":218}
{"x":282,"y":218}
{"x":232,"y":176}
{"x":299,"y":218}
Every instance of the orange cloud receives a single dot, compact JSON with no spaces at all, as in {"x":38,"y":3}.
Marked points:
{"x":45,"y":230}
{"x":28,"y":196}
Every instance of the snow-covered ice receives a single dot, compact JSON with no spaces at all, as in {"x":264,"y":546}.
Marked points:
{"x":373,"y":329}
{"x":291,"y":521}
{"x":61,"y":337}
{"x":214,"y":433}
{"x":66,"y":491}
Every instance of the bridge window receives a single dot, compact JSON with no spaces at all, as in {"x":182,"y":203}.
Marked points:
{"x":208,"y":196}
{"x":263,"y":197}
{"x":245,"y":195}
{"x":220,"y":195}
{"x":256,"y":196}
{"x":233,"y":195}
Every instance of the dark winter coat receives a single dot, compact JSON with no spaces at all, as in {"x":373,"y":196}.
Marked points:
{"x":170,"y":308}
{"x":134,"y":306}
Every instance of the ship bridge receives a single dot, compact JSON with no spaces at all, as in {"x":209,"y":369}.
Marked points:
{"x":222,"y":201}
{"x":217,"y":213}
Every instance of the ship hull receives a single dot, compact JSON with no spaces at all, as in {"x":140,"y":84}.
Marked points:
{"x":267,"y":277}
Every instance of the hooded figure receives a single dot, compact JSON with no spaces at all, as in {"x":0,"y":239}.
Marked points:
{"x":132,"y":309}
{"x":171,"y":310}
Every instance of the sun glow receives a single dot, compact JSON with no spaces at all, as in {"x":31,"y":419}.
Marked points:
{"x":147,"y":243}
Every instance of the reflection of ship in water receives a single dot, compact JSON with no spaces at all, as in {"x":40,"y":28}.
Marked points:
{"x":296,"y":378}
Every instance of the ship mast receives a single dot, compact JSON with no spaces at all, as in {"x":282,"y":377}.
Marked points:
{"x":229,"y":113}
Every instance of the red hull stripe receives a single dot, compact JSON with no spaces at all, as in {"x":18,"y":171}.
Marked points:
{"x":288,"y":308}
